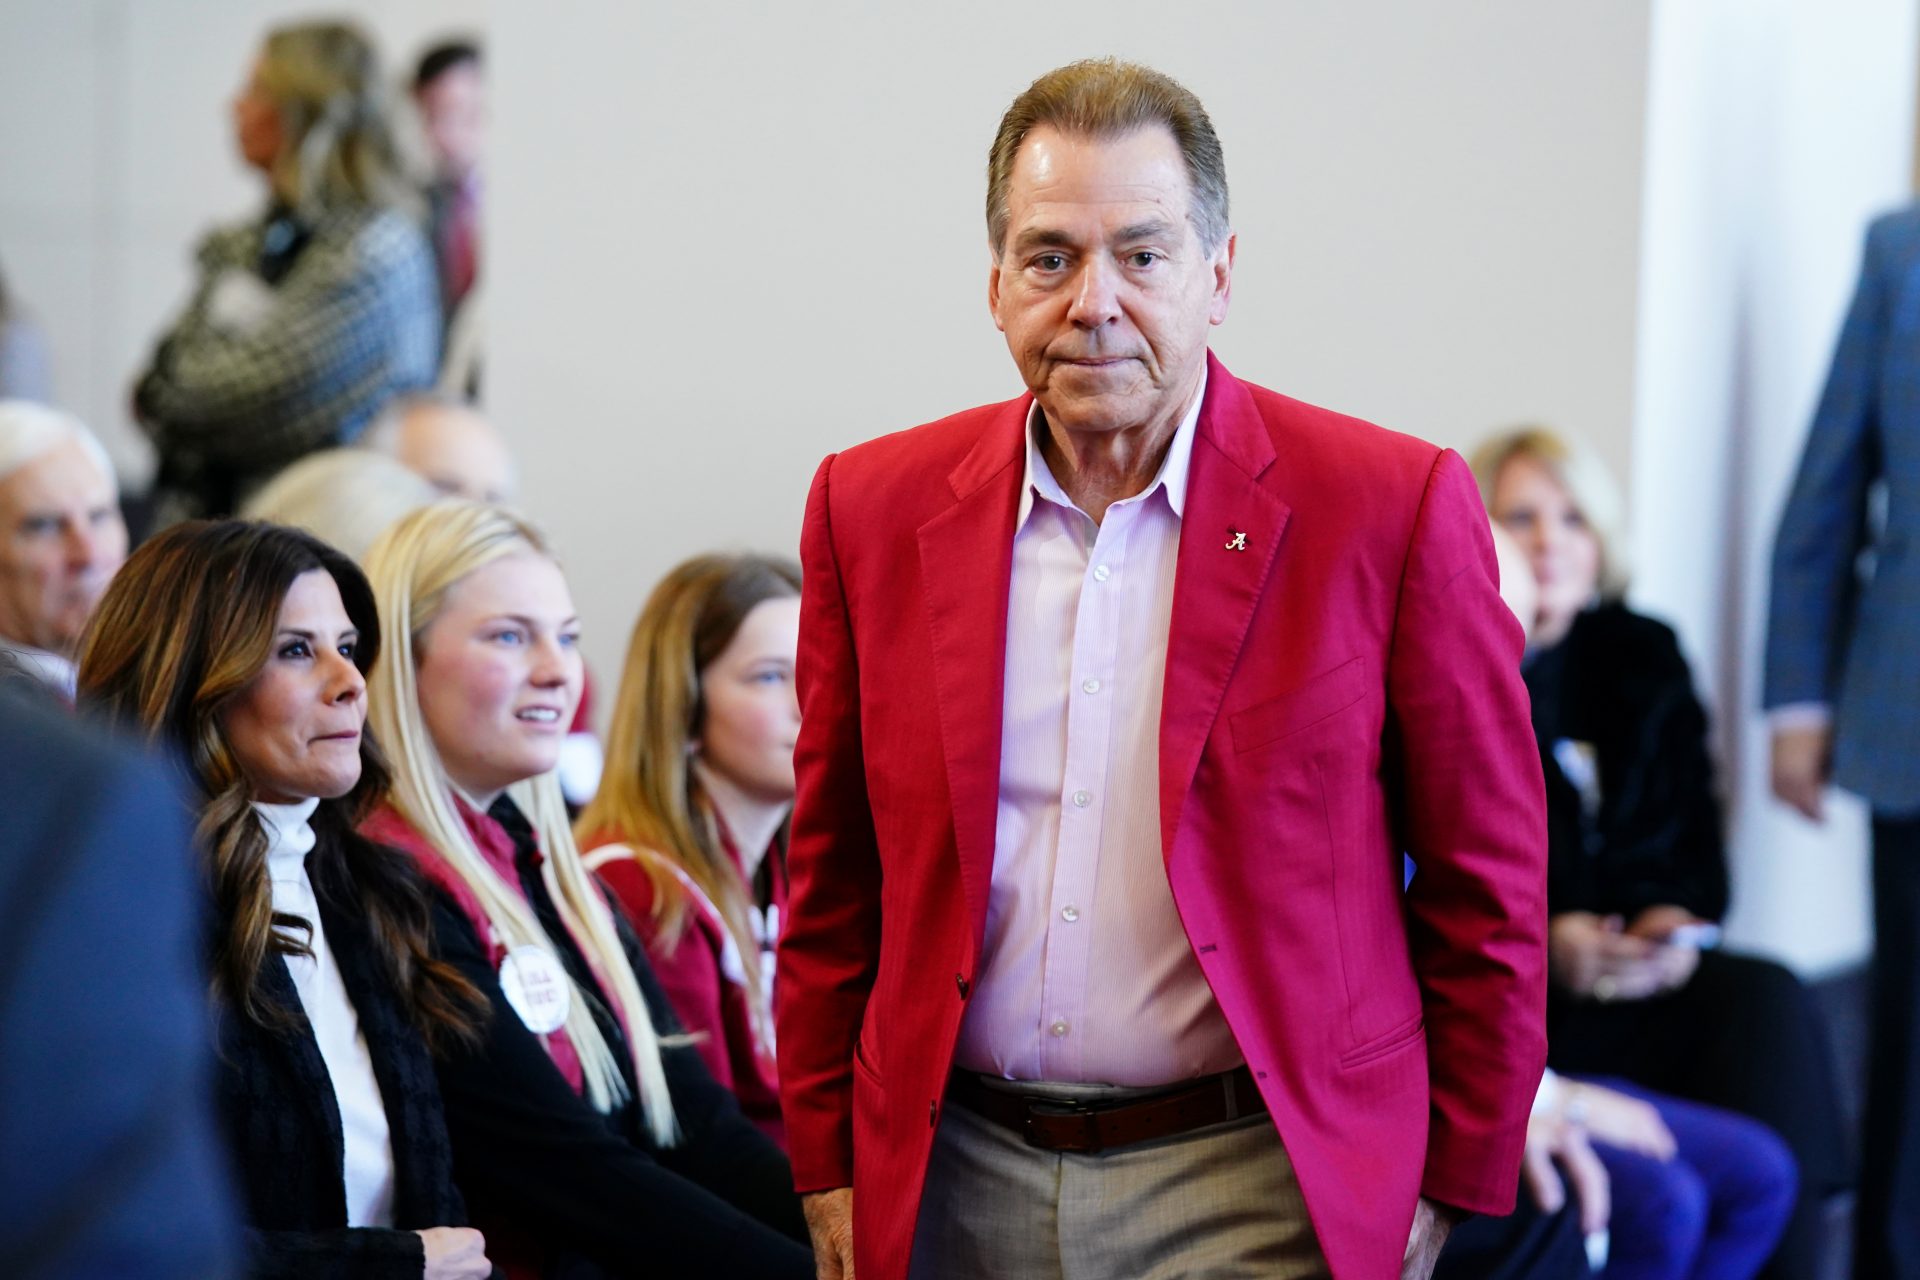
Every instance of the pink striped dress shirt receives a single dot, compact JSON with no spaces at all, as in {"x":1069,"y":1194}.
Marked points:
{"x":1086,"y":975}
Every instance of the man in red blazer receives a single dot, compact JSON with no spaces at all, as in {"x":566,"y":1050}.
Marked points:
{"x":1121,"y":703}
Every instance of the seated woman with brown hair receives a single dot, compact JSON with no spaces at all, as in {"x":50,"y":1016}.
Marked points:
{"x":586,"y":1129}
{"x":689,"y":826}
{"x":243,"y":648}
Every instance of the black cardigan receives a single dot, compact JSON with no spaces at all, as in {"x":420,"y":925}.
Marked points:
{"x":282,"y":1122}
{"x":594,"y":1190}
{"x":1619,"y":684}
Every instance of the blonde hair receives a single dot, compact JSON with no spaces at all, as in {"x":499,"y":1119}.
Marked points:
{"x":1578,"y":470}
{"x":413,"y":566}
{"x":325,"y":77}
{"x":649,"y":796}
{"x":346,"y":497}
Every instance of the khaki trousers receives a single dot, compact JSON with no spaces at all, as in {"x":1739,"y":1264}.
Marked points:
{"x":1220,"y":1203}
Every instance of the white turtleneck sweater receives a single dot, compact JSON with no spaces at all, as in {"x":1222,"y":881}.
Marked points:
{"x":368,"y":1165}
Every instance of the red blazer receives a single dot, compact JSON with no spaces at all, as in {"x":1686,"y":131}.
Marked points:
{"x":708,"y":999}
{"x":1346,"y":689}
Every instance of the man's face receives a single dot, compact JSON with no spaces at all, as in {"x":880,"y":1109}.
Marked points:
{"x":61,"y":539}
{"x":1103,"y":287}
{"x":453,"y":111}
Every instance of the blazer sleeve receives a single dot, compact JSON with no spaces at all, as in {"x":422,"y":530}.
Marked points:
{"x":109,"y":1148}
{"x":529,"y":1149}
{"x":1824,"y":526}
{"x":830,"y":946}
{"x":1676,"y":854}
{"x":349,"y":1253}
{"x":1472,"y":812}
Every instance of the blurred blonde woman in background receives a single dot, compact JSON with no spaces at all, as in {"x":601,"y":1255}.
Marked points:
{"x":590,"y":1137}
{"x":689,"y":827}
{"x":306,"y":319}
{"x":1636,"y":868}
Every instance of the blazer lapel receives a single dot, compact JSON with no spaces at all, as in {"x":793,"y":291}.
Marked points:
{"x":309,"y":1068}
{"x":394,"y":1049}
{"x":966,"y":565}
{"x":1229,"y":541}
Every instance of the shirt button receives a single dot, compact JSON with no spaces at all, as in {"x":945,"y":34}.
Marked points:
{"x":1091,"y":686}
{"x":1101,"y":573}
{"x":1069,"y":914}
{"x":1081,"y":799}
{"x":1059,"y":1027}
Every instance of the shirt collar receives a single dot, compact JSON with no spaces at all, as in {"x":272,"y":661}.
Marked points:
{"x":1039,"y":480}
{"x":290,"y":836}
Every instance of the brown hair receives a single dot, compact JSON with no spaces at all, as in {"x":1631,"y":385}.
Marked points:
{"x":648,"y":795}
{"x":183,"y":630}
{"x":1105,"y":98}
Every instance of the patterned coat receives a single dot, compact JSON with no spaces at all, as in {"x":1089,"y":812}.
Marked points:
{"x":1844,"y":620}
{"x":295,"y":337}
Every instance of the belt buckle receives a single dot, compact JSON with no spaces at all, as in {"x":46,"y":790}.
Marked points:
{"x":1086,"y":1142}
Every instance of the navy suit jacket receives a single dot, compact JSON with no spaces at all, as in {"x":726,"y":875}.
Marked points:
{"x":1844,"y":618}
{"x":108,"y":1161}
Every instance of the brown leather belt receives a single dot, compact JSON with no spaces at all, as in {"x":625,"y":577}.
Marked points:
{"x":1060,"y":1124}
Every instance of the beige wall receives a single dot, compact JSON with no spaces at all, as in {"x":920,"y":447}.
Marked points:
{"x":728,"y":239}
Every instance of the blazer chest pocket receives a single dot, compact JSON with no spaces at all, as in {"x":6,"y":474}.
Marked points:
{"x":1321,"y":698}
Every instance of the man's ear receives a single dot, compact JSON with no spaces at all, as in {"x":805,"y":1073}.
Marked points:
{"x":1222,"y":280}
{"x":993,"y":294}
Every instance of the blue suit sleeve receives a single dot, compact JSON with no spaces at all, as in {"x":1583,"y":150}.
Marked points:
{"x":1824,"y":526}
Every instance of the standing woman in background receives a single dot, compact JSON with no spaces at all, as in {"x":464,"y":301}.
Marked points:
{"x":588,"y":1133}
{"x":688,"y":828}
{"x":305,"y":320}
{"x":243,"y":648}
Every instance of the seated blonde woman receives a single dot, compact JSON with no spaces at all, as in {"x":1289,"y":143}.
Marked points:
{"x":689,"y":827}
{"x":1636,"y":867}
{"x":587,"y":1132}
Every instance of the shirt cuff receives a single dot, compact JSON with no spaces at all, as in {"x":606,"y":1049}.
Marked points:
{"x":1547,"y":1096}
{"x":1800,"y":715}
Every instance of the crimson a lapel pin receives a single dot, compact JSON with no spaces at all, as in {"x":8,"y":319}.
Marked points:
{"x":1238,"y":542}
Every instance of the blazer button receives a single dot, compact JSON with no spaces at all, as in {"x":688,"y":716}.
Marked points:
{"x":962,"y":985}
{"x":933,"y":1113}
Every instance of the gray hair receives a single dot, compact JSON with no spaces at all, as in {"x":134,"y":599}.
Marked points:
{"x":1106,"y":98}
{"x":30,"y":430}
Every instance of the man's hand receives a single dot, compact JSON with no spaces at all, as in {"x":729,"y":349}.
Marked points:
{"x":830,"y":1223}
{"x":1433,"y":1222}
{"x":1802,"y":763}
